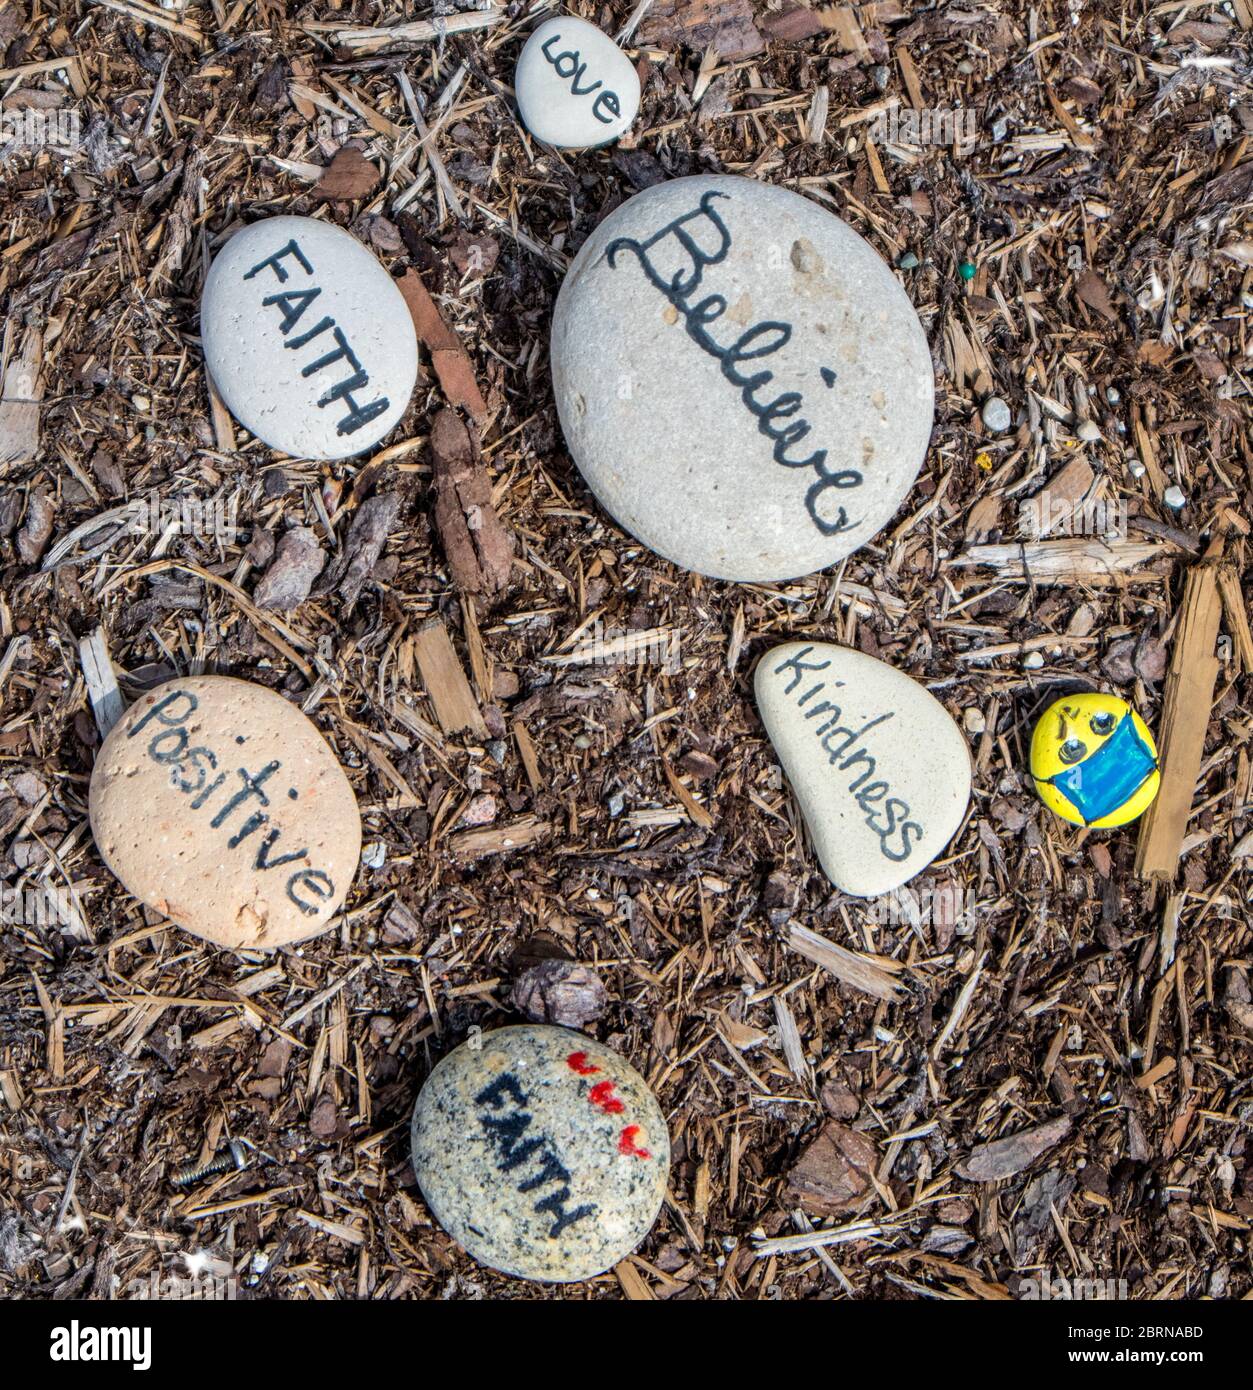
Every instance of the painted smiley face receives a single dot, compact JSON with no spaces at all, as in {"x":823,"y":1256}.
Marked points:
{"x":1093,"y":761}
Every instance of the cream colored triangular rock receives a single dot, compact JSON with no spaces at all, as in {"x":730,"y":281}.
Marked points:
{"x":881,"y":772}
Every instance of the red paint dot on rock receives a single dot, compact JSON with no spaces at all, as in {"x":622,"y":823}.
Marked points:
{"x":577,"y":1061}
{"x":602,"y":1095}
{"x":626,"y":1143}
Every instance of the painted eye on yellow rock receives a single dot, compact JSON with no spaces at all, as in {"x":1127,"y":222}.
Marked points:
{"x":1072,"y":751}
{"x":1102,"y":724}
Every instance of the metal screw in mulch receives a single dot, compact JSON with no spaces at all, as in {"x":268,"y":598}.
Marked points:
{"x":236,"y":1156}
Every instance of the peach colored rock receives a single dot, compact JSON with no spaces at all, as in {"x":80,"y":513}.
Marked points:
{"x":218,"y":803}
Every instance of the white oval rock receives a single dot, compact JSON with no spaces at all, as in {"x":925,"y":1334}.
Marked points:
{"x":880,"y":770}
{"x":740,"y":378}
{"x":541,"y":1152}
{"x":575,"y":87}
{"x":218,"y":803}
{"x":307,"y":339}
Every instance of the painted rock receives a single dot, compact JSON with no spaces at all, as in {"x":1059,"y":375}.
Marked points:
{"x":575,"y":86}
{"x":218,"y":803}
{"x":543,"y":1153}
{"x":881,"y":772}
{"x":740,"y":378}
{"x":1093,"y":761}
{"x":307,"y":339}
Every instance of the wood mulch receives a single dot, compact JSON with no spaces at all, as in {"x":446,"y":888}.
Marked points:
{"x":1038,"y":1063}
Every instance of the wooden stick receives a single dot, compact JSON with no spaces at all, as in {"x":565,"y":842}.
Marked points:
{"x":1186,"y":709}
{"x":445,"y":681}
{"x":102,"y":687}
{"x":364,"y":39}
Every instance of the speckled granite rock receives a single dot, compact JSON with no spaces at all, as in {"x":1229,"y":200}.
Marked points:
{"x":543,"y":1153}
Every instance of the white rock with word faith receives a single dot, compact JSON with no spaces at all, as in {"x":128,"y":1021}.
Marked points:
{"x":740,"y":378}
{"x":218,"y":803}
{"x":575,"y":86}
{"x":307,"y":339}
{"x":880,"y":770}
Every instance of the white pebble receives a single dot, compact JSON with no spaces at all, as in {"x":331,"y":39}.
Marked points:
{"x":1174,"y":499}
{"x":996,"y":415}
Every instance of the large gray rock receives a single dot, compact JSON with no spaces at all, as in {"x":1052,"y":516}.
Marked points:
{"x":740,"y":378}
{"x":307,"y":339}
{"x":543,"y":1153}
{"x":880,"y":770}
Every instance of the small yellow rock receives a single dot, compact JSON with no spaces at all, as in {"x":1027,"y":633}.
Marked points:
{"x":1093,"y":761}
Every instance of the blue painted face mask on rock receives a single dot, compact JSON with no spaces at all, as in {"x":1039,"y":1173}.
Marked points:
{"x":1099,"y":785}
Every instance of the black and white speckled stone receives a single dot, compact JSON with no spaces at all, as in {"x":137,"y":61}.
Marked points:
{"x":543,"y":1153}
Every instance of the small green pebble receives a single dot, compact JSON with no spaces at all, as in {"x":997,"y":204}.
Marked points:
{"x":907,"y":262}
{"x":966,"y":270}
